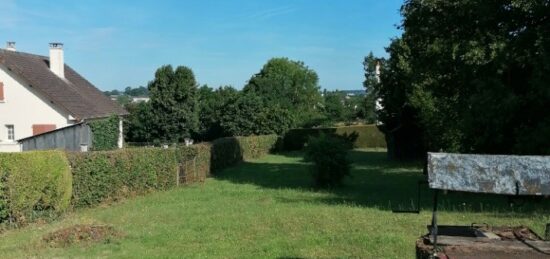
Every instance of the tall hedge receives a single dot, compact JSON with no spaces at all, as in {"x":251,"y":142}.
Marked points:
{"x":109,"y":175}
{"x":33,"y":183}
{"x":362,"y":136}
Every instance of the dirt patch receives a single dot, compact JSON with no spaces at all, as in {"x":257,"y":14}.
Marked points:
{"x":81,"y":234}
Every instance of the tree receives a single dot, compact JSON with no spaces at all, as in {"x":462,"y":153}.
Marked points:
{"x":338,"y":107}
{"x":249,"y":114}
{"x":212,"y":104}
{"x":139,"y":124}
{"x":371,"y":85}
{"x":472,"y":75}
{"x":289,"y":85}
{"x":173,"y":104}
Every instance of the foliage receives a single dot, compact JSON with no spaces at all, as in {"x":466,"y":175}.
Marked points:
{"x":111,"y":175}
{"x":250,"y":114}
{"x":371,"y":85}
{"x":212,"y":106}
{"x":329,"y":155}
{"x":481,"y":87}
{"x":138,"y":125}
{"x":339,"y":107}
{"x":173,"y":104}
{"x":363,"y":136}
{"x":288,"y":84}
{"x":129,"y":91}
{"x":105,"y":133}
{"x":33,"y":184}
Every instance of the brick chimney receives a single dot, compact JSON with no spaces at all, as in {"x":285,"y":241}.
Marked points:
{"x":10,"y":45}
{"x":57,"y":64}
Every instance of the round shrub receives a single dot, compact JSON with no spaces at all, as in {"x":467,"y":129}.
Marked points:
{"x":330,"y":162}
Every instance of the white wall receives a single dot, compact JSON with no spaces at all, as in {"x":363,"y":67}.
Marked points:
{"x":22,"y":107}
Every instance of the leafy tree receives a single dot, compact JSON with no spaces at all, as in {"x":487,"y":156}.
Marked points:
{"x":249,"y":114}
{"x":212,"y":104}
{"x":138,"y":91}
{"x":173,"y":103}
{"x":371,"y":84}
{"x":472,"y":75}
{"x":291,"y":85}
{"x":339,"y":107}
{"x":139,"y":124}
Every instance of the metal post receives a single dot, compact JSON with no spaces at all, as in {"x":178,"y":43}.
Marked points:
{"x":547,"y":234}
{"x":434,"y":221}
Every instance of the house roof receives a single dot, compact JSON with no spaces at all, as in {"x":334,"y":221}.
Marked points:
{"x":74,"y":93}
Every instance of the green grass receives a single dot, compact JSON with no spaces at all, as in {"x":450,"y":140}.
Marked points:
{"x":267,"y":209}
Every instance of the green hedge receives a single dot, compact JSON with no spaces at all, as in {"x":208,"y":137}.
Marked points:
{"x":110,"y":175}
{"x":363,"y":136}
{"x":32,"y":184}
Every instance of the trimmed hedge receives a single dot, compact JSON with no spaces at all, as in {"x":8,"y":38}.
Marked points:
{"x":111,"y":175}
{"x":33,"y":184}
{"x":362,"y":136}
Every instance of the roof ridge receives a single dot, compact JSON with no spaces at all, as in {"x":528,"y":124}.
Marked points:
{"x":24,"y":53}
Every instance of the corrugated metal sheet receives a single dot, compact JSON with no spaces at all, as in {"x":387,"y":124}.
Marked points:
{"x":70,"y":138}
{"x":499,"y":174}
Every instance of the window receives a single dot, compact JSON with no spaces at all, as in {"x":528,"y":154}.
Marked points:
{"x":11,"y":132}
{"x":1,"y":92}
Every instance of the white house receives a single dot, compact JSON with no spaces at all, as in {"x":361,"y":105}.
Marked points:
{"x":40,"y":94}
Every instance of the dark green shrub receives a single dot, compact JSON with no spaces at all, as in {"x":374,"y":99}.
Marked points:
{"x":362,"y":136}
{"x":32,"y":184}
{"x":105,"y":133}
{"x":330,"y":161}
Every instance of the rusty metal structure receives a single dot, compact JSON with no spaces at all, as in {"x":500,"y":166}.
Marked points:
{"x":495,"y":174}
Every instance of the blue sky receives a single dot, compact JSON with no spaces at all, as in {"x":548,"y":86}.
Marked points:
{"x":115,"y":44}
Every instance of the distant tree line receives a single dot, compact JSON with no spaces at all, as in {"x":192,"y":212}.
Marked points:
{"x":284,"y":94}
{"x":466,"y":76}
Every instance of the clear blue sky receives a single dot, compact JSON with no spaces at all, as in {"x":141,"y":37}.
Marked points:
{"x":115,"y":44}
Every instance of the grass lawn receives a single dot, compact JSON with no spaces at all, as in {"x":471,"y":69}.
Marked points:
{"x":267,"y":209}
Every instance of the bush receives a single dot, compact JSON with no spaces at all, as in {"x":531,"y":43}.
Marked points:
{"x":363,"y":136}
{"x":330,"y":161}
{"x":33,"y":184}
{"x":111,"y":175}
{"x":105,"y":133}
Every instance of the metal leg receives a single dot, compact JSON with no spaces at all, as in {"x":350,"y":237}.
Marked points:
{"x":434,"y":221}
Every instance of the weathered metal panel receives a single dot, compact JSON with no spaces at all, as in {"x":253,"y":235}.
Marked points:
{"x":499,"y":174}
{"x":68,"y":138}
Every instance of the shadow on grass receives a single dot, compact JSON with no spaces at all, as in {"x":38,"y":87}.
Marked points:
{"x":375,"y":182}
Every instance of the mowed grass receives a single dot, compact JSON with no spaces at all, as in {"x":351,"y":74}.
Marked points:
{"x":268,"y":209}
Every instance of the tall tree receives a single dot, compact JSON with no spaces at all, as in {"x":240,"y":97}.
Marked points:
{"x":212,"y":105}
{"x":473,"y":75}
{"x":289,"y":84}
{"x":173,"y":103}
